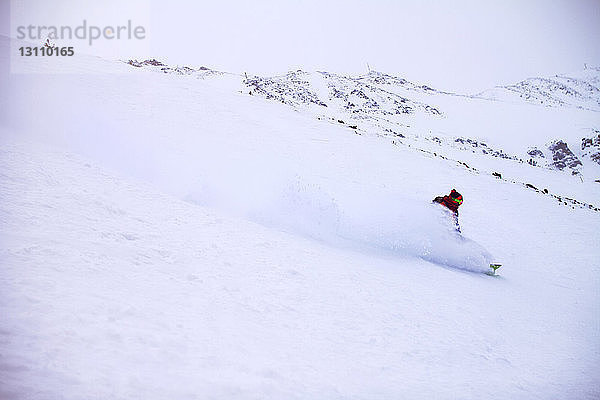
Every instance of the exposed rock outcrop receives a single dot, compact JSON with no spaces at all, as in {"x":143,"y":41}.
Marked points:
{"x":563,"y":157}
{"x":590,"y":147}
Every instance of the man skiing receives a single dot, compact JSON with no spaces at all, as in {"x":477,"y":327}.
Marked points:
{"x":451,"y":201}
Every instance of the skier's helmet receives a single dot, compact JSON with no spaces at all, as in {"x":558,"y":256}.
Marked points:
{"x":456,"y":197}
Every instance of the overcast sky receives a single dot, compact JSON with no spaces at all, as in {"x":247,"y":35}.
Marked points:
{"x":457,"y":45}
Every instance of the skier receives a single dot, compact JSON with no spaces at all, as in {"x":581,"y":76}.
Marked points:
{"x":451,"y":202}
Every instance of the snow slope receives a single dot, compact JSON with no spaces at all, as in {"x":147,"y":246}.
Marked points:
{"x":382,"y":104}
{"x":165,"y":236}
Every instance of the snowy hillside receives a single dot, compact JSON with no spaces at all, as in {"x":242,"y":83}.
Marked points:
{"x":420,"y":116}
{"x":172,"y":232}
{"x":440,"y":122}
{"x":581,"y":90}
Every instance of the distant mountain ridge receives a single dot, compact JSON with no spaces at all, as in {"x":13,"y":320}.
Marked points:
{"x":581,"y":91}
{"x":388,"y":94}
{"x":385,"y":105}
{"x":364,"y":96}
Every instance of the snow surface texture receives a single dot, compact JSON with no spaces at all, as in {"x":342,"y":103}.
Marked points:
{"x":171,"y":237}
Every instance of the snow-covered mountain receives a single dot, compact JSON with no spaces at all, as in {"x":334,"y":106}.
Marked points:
{"x":581,"y":90}
{"x":381,"y":104}
{"x":378,"y":102}
{"x":363,"y":97}
{"x":178,"y":232}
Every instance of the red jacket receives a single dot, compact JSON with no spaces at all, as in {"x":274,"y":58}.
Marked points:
{"x":448,"y":203}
